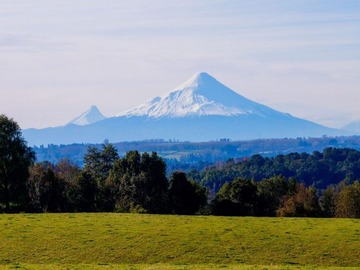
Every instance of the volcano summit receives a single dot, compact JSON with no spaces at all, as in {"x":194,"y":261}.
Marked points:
{"x":201,"y":95}
{"x":201,"y":109}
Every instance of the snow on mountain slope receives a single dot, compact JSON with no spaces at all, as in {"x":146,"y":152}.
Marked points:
{"x":92,"y":115}
{"x":199,"y":96}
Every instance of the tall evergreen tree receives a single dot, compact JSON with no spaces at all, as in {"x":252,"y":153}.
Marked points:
{"x":15,"y":159}
{"x":98,"y":164}
{"x":86,"y":194}
{"x":185,"y":197}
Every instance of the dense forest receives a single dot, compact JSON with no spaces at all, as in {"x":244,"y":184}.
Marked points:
{"x":138,"y":183}
{"x":319,"y":169}
{"x":297,"y":184}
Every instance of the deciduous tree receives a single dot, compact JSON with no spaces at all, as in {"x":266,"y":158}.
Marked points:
{"x":271,"y":191}
{"x":138,"y":183}
{"x":46,"y":190}
{"x":348,"y":201}
{"x":236,"y":198}
{"x":303,"y":203}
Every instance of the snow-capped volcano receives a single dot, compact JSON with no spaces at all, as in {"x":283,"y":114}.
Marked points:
{"x":201,"y":95}
{"x":201,"y":109}
{"x":92,"y":115}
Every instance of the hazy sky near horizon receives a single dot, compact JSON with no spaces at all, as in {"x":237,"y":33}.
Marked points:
{"x":57,"y":58}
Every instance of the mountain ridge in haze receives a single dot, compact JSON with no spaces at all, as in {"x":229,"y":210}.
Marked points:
{"x":353,"y":126}
{"x":92,"y":115}
{"x":201,"y":109}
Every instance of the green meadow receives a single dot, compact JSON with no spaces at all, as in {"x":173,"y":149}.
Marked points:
{"x":139,"y":241}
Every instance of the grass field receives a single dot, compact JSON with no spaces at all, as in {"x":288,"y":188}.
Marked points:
{"x":133,"y":241}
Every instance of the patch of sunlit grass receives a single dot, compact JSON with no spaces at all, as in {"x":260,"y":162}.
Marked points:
{"x":135,"y":241}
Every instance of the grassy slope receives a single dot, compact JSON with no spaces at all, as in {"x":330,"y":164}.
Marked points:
{"x":70,"y":239}
{"x":165,"y":267}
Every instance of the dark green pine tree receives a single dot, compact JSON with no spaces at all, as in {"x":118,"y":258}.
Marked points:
{"x":185,"y":197}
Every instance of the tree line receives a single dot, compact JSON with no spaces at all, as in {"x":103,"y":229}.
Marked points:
{"x":108,"y":183}
{"x":137,"y":182}
{"x":277,"y":196}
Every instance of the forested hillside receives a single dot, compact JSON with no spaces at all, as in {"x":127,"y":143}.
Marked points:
{"x":318,"y":169}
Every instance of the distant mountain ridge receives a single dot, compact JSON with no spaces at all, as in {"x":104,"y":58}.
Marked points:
{"x":201,"y":109}
{"x":92,"y":115}
{"x":354,"y":127}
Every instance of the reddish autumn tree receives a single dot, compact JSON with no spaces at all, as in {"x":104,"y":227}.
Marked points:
{"x":303,"y":203}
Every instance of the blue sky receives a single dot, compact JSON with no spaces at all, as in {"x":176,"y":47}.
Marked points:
{"x":57,"y":58}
